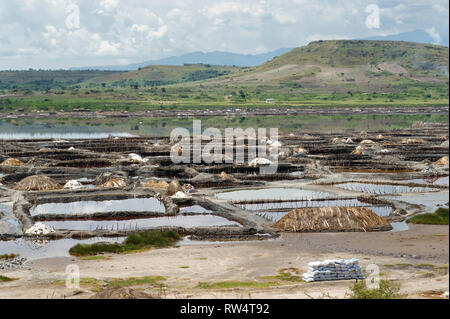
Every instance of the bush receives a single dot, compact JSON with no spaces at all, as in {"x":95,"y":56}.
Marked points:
{"x":386,"y":290}
{"x":439,"y":217}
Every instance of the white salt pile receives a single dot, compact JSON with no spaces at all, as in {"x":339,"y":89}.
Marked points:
{"x":40,"y":229}
{"x":338,"y":269}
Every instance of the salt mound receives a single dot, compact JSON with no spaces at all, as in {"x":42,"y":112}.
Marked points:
{"x":259,"y":161}
{"x":179,"y":195}
{"x":12,"y":162}
{"x":39,"y":229}
{"x":331,"y":219}
{"x":73,"y":184}
{"x":37,"y":183}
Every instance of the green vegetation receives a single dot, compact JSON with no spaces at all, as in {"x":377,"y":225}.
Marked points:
{"x":97,"y":285}
{"x":95,"y":257}
{"x":136,"y":281}
{"x":386,"y":290}
{"x":286,"y":274}
{"x":42,"y":80}
{"x":359,"y":74}
{"x":133,"y":243}
{"x":5,"y":279}
{"x":8,"y":256}
{"x":439,"y":217}
{"x":236,"y":284}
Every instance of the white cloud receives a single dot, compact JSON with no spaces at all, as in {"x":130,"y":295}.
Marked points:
{"x":434,"y":34}
{"x":106,"y":48}
{"x":139,"y":30}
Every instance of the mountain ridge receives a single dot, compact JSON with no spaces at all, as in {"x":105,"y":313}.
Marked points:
{"x":219,"y":58}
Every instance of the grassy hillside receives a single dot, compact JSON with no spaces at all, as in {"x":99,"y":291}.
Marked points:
{"x":414,"y":57}
{"x":42,"y":80}
{"x":347,"y":73}
{"x":151,"y":76}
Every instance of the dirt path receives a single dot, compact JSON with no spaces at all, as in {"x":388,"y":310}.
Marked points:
{"x":416,"y":258}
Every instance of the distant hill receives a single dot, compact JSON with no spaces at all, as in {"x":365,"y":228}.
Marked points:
{"x":419,"y":36}
{"x":157,"y":75}
{"x":348,"y":66}
{"x":213,"y":58}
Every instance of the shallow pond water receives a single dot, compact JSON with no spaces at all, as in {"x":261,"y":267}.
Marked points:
{"x":32,"y":249}
{"x":107,"y":206}
{"x":143,"y":223}
{"x":382,"y":188}
{"x":194,"y":209}
{"x":431,"y":201}
{"x":272,"y":194}
{"x":399,"y":226}
{"x":444,"y":180}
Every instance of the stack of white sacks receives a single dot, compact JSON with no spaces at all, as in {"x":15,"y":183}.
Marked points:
{"x":338,"y":269}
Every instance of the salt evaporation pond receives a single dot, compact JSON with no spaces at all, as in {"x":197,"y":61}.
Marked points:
{"x":444,"y":180}
{"x":302,"y":204}
{"x":431,"y":201}
{"x":107,"y":206}
{"x":382,"y":188}
{"x":32,"y":249}
{"x":272,"y":194}
{"x":143,"y":223}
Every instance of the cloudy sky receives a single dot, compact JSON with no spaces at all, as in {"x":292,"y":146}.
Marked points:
{"x":67,"y":33}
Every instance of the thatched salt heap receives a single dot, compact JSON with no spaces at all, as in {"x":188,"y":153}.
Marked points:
{"x":12,"y":162}
{"x":331,"y":219}
{"x":339,"y":269}
{"x":37,"y":183}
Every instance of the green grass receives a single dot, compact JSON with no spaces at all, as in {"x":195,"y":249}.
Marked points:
{"x":5,"y":279}
{"x":133,"y":243}
{"x":97,"y":285}
{"x":236,"y":284}
{"x":286,"y":274}
{"x":386,"y":290}
{"x":95,"y":257}
{"x":136,"y":281}
{"x":439,"y":217}
{"x":363,"y":84}
{"x":8,"y":256}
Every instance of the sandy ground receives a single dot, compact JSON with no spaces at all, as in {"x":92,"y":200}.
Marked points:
{"x":404,"y":257}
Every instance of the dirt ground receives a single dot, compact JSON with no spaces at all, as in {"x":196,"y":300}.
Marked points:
{"x":417,"y":259}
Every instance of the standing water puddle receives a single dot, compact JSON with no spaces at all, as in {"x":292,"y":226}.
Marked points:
{"x":431,"y":201}
{"x":107,"y":206}
{"x":430,"y":181}
{"x":143,"y":223}
{"x":272,"y":194}
{"x":32,"y":249}
{"x":194,"y":209}
{"x":302,"y":204}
